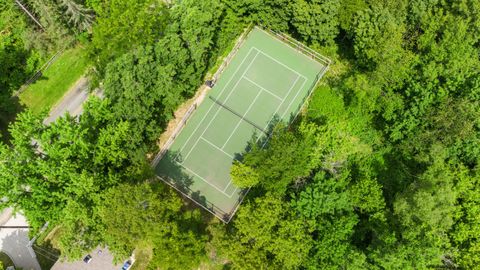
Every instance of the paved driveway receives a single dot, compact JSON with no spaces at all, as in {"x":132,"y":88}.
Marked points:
{"x":14,"y":242}
{"x":71,"y":102}
{"x":102,"y":260}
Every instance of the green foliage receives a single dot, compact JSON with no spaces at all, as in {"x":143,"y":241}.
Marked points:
{"x":348,"y":11}
{"x":55,"y":81}
{"x":464,"y":234}
{"x":315,"y":21}
{"x":182,"y":245}
{"x":265,"y":235}
{"x":243,"y":176}
{"x":58,"y":171}
{"x":52,"y":18}
{"x":121,"y":25}
{"x":76,"y":14}
{"x":271,"y":13}
{"x":130,"y":213}
{"x":18,"y":62}
{"x":147,"y":85}
{"x":285,"y":150}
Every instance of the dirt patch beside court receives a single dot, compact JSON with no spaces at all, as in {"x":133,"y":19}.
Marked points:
{"x":180,"y":113}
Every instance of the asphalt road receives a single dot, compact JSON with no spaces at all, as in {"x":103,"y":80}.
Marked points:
{"x":14,"y":243}
{"x":102,"y":259}
{"x":71,"y":102}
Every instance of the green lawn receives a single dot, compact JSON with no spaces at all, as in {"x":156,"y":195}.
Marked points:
{"x":6,"y":260}
{"x":56,"y":80}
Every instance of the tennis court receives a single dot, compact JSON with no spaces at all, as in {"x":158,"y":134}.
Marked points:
{"x":265,"y":80}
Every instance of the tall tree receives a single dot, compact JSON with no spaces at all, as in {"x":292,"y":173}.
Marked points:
{"x":315,"y":21}
{"x":121,"y":25}
{"x":265,"y":234}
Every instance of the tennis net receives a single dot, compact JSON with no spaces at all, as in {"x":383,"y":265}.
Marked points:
{"x":226,"y":107}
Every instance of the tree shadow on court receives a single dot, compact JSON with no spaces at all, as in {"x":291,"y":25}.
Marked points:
{"x":170,"y":171}
{"x":260,"y":139}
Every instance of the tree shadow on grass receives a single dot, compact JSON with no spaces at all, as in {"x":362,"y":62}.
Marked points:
{"x":9,"y":108}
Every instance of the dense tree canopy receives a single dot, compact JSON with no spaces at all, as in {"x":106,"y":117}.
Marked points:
{"x":121,"y":25}
{"x":380,"y":171}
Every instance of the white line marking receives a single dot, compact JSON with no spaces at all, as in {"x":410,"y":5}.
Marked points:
{"x":241,"y":119}
{"x":228,"y":186}
{"x":281,"y":104}
{"x":218,"y":110}
{"x":212,"y":185}
{"x":170,"y":183}
{"x":212,"y":144}
{"x":211,"y":106}
{"x":256,"y":84}
{"x":295,"y":50}
{"x":228,"y":96}
{"x":293,"y":99}
{"x":267,"y":55}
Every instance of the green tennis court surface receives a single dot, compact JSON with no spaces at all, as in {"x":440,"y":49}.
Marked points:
{"x":266,"y":80}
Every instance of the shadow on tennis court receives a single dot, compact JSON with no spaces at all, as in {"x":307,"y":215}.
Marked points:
{"x":172,"y":173}
{"x":260,"y":140}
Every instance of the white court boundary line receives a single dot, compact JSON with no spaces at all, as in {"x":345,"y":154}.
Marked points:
{"x":288,"y":107}
{"x":218,"y":109}
{"x":262,"y":89}
{"x":293,"y":99}
{"x":241,"y":119}
{"x":215,"y":187}
{"x":212,"y":144}
{"x":211,"y":106}
{"x":282,"y":64}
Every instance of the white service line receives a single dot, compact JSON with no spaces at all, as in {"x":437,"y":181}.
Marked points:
{"x":218,"y":110}
{"x":293,"y":99}
{"x":212,"y":144}
{"x":262,"y":88}
{"x":211,"y":106}
{"x":281,"y":104}
{"x":267,"y":55}
{"x":241,"y":119}
{"x":212,"y":185}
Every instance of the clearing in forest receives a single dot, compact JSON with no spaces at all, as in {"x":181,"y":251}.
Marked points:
{"x":268,"y":79}
{"x":55,"y":81}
